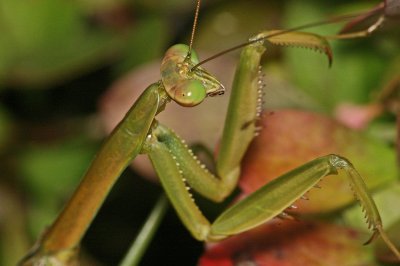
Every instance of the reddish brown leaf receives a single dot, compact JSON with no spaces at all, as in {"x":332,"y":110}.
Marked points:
{"x":291,"y":138}
{"x":288,"y":243}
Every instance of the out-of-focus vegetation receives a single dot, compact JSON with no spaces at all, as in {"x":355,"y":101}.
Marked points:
{"x":58,"y":58}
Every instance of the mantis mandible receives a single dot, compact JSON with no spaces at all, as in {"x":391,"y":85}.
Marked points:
{"x":185,"y":82}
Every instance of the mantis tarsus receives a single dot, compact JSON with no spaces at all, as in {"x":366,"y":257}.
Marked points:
{"x":184,"y":81}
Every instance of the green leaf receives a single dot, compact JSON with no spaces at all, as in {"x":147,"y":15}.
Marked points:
{"x":148,"y":43}
{"x":358,"y":66}
{"x":50,"y":173}
{"x":46,"y":41}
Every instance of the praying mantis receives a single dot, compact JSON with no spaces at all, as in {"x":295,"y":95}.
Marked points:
{"x":187,"y":83}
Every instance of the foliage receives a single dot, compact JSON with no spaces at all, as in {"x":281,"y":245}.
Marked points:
{"x":58,"y":57}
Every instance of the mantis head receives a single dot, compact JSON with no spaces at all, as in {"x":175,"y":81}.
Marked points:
{"x":186,"y":85}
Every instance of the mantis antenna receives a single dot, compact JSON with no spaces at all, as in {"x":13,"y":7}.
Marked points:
{"x":308,"y":25}
{"x":196,"y":15}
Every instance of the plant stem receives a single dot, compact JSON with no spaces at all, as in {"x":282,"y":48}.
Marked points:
{"x":146,"y":234}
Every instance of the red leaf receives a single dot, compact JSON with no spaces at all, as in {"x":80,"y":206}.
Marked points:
{"x":287,"y":243}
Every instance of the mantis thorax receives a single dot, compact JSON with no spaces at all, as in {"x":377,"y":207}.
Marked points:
{"x":185,"y":85}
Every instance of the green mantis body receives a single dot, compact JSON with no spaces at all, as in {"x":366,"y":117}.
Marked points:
{"x":178,"y":169}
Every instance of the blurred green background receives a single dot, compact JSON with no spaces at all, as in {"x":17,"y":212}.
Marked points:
{"x":58,"y":57}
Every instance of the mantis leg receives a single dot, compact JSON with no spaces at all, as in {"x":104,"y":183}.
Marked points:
{"x":61,"y":240}
{"x":360,"y":34}
{"x":245,"y":103}
{"x":172,"y":160}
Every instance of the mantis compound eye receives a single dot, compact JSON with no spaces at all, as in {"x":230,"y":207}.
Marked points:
{"x":189,"y":92}
{"x":187,"y":86}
